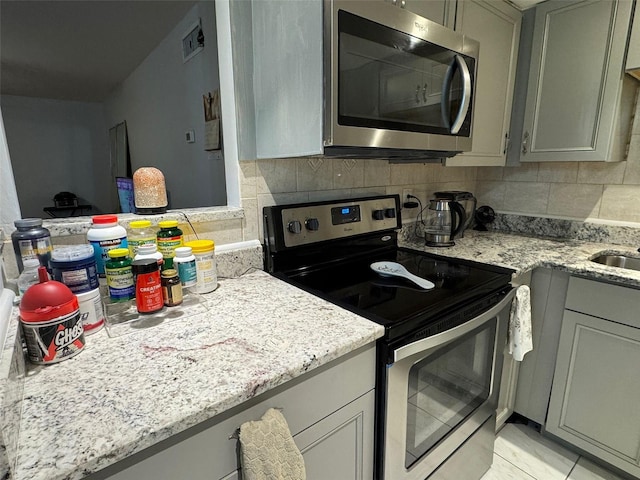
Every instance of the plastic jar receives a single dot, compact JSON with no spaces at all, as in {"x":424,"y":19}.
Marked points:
{"x":91,"y":312}
{"x":31,"y":240}
{"x":185,"y":262}
{"x":50,"y":319}
{"x":204,"y":252}
{"x":140,"y":232}
{"x":148,"y":286}
{"x":105,"y":234}
{"x":149,"y":250}
{"x":119,"y":275}
{"x":171,"y":288}
{"x":169,"y":238}
{"x":29,"y":275}
{"x":75,"y":266}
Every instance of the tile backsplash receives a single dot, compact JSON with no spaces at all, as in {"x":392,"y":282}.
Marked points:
{"x":574,"y":190}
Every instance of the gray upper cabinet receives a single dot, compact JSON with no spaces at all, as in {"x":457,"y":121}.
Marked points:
{"x":496,"y":25}
{"x":575,"y":80}
{"x":439,"y":11}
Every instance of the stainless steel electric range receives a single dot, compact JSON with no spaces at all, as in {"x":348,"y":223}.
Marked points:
{"x":440,"y":360}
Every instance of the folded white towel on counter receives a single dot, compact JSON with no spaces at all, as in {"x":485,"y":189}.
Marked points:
{"x":268,"y":451}
{"x":520,"y":336}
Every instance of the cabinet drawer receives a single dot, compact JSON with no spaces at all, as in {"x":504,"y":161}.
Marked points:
{"x":612,"y":302}
{"x":209,"y":449}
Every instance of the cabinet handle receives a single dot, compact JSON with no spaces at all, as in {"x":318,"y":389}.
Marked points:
{"x":418,"y":94}
{"x":524,"y":143}
{"x":424,"y":93}
{"x":506,"y":143}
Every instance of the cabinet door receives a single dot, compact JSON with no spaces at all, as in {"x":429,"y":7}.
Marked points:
{"x":341,"y":445}
{"x":439,"y":11}
{"x":594,"y":400}
{"x":496,"y":25}
{"x":633,"y":55}
{"x":575,"y":80}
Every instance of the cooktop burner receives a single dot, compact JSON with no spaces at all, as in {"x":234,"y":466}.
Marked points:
{"x":394,"y":301}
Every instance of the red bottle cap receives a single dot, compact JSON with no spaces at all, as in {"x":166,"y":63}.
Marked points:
{"x":104,"y":219}
{"x":47,"y":300}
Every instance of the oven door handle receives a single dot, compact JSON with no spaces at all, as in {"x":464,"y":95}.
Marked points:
{"x":449,"y":335}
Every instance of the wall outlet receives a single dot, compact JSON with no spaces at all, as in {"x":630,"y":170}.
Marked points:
{"x":190,"y":136}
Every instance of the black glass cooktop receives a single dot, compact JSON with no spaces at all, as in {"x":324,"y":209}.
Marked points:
{"x":397,"y":303}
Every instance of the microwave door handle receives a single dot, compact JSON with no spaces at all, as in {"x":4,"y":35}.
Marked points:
{"x":444,"y":98}
{"x":466,"y":94}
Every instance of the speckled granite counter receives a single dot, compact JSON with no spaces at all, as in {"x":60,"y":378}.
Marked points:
{"x":524,"y":253}
{"x":124,"y":394}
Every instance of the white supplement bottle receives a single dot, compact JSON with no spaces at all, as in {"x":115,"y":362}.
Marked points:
{"x":105,"y":234}
{"x":185,"y":262}
{"x":149,"y":250}
{"x":204,"y":251}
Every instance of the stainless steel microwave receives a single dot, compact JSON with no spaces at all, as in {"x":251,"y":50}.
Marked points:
{"x":396,"y":84}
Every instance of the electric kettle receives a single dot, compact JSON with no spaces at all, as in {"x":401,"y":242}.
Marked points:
{"x":444,"y":220}
{"x":466,"y":199}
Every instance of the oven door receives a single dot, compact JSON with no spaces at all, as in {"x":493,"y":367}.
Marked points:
{"x":397,"y":80}
{"x":439,"y":391}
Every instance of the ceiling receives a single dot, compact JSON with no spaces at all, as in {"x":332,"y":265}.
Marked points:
{"x":524,"y":4}
{"x":79,"y":50}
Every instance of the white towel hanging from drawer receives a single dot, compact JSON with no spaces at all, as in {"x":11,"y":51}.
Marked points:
{"x":268,"y":451}
{"x":520,"y":336}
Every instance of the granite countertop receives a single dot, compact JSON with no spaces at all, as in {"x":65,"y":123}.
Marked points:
{"x":524,"y":253}
{"x":126,"y":393}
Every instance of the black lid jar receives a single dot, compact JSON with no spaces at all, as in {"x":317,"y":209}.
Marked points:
{"x":31,"y":240}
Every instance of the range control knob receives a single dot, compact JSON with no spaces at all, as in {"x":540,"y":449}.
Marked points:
{"x":312,"y":224}
{"x":390,"y":212}
{"x":378,"y":214}
{"x":294,"y":226}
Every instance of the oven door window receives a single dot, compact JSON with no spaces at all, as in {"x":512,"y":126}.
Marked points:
{"x":446,"y":387}
{"x":388,"y":79}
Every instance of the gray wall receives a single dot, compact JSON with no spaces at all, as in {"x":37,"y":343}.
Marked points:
{"x":55,"y":146}
{"x":160,"y":101}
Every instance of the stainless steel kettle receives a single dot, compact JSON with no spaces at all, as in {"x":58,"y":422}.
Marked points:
{"x":445,"y":219}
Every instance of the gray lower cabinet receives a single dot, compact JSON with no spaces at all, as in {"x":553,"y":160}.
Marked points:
{"x":330,"y":413}
{"x":548,"y":294}
{"x":333,"y":448}
{"x":594,"y":399}
{"x":575,"y":82}
{"x":338,"y":446}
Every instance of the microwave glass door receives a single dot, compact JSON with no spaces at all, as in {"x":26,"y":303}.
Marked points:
{"x":391,"y":80}
{"x":446,"y":387}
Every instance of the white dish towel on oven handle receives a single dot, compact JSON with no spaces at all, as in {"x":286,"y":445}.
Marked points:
{"x":520,"y":336}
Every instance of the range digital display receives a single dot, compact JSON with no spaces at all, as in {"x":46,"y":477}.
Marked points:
{"x":342,"y":215}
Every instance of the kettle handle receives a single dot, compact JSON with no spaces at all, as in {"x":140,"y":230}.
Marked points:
{"x":456,"y":227}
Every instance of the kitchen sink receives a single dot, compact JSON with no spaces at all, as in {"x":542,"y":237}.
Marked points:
{"x":619,"y":261}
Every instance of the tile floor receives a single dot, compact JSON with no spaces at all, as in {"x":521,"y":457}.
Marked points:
{"x":522,"y":453}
